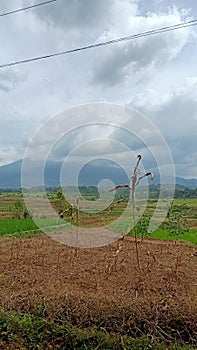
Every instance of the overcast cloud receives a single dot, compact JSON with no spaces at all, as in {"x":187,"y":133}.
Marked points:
{"x":156,"y":75}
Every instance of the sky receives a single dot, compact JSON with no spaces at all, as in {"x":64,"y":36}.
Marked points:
{"x":155,"y":75}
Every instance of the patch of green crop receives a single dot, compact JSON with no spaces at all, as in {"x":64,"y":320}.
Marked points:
{"x":161,"y":233}
{"x":28,"y":228}
{"x":17,"y":226}
{"x":190,"y":236}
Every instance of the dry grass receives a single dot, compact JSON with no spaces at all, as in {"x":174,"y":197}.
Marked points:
{"x":101,"y":287}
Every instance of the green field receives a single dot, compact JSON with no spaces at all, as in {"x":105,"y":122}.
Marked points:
{"x":27,"y":227}
{"x":17,"y":227}
{"x":160,"y":233}
{"x":191,"y":236}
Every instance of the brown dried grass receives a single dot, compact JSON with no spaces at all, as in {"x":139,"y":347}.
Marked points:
{"x":101,"y":287}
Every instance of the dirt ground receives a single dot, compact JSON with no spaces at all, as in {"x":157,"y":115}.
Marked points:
{"x":39,"y":269}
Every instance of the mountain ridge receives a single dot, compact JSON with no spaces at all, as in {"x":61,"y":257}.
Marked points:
{"x":10,"y":175}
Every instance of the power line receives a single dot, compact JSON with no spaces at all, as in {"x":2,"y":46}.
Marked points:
{"x":26,"y":8}
{"x":109,"y":42}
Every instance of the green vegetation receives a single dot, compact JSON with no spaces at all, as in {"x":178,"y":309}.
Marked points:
{"x":164,"y":234}
{"x":180,"y":224}
{"x":89,"y":193}
{"x":177,"y":220}
{"x":190,"y":236}
{"x":27,"y":228}
{"x":28,"y":331}
{"x":17,"y":227}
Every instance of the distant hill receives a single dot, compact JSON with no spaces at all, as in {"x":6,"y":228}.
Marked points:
{"x":190,"y":183}
{"x":10,"y":175}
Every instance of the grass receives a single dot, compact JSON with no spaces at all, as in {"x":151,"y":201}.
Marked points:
{"x":190,"y":202}
{"x":28,"y":331}
{"x":27,"y":228}
{"x":17,"y":227}
{"x":163,"y":234}
{"x":190,"y":236}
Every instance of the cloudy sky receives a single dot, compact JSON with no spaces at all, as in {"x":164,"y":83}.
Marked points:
{"x":155,"y":75}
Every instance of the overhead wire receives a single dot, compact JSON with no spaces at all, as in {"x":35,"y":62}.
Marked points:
{"x":105,"y":43}
{"x":26,"y":8}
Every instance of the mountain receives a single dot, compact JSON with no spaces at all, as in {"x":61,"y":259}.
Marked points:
{"x":10,"y":175}
{"x":190,"y":183}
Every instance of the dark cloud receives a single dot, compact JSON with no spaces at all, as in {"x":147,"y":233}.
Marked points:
{"x":178,"y":116}
{"x":177,"y":120}
{"x":75,"y":15}
{"x":137,"y":58}
{"x":116,"y":63}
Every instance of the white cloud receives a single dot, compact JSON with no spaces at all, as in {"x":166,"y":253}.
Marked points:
{"x":9,"y":154}
{"x":9,"y":79}
{"x":150,"y":72}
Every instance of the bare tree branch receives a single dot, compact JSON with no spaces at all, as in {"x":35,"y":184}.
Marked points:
{"x":120,"y":186}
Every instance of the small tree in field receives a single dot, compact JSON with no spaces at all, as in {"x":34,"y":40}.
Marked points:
{"x":18,"y":208}
{"x":60,"y":199}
